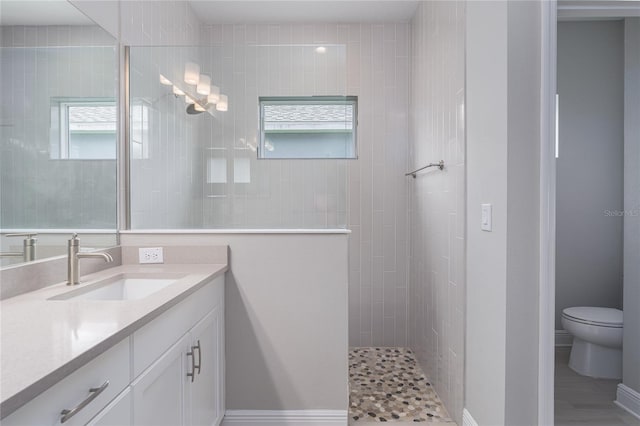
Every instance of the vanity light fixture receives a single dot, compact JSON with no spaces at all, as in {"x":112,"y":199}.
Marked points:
{"x":214,"y":95}
{"x":191,"y":73}
{"x":197,"y":104}
{"x":223,"y":103}
{"x":177,"y":91}
{"x":204,"y":85}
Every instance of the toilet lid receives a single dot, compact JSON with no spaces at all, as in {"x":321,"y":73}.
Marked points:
{"x":610,"y":317}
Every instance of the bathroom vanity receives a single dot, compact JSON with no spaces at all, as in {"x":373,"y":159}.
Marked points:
{"x":105,"y":353}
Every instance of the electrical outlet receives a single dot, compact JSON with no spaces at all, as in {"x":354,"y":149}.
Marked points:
{"x":150,"y":255}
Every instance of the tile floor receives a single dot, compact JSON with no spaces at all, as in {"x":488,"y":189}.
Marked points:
{"x":582,"y":400}
{"x":388,"y":385}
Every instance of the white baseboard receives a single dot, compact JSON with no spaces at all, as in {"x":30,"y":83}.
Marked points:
{"x":467,"y":419}
{"x":563,"y":338}
{"x":628,"y":399}
{"x":285,"y":418}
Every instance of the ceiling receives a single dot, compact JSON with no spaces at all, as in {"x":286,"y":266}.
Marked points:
{"x":40,"y":12}
{"x":61,"y":12}
{"x":345,"y":11}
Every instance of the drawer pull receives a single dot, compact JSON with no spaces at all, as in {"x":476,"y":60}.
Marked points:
{"x":193,"y":348}
{"x":93,"y":394}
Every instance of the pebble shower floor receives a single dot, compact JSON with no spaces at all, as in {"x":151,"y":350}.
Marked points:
{"x":388,"y":385}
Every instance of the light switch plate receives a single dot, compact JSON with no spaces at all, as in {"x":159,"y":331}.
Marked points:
{"x":486,"y":218}
{"x":150,"y":255}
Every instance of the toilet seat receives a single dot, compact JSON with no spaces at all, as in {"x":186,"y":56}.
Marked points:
{"x":601,"y":317}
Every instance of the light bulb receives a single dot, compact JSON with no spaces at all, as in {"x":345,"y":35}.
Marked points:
{"x":164,"y":80}
{"x":199,"y":107}
{"x":321,"y":49}
{"x":204,"y":85}
{"x":214,"y":95}
{"x":191,"y":73}
{"x":223,"y":103}
{"x":177,"y":91}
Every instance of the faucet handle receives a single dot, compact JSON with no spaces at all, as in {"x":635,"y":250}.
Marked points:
{"x":29,"y":235}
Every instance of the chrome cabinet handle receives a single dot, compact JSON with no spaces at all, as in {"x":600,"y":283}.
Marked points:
{"x":193,"y":365}
{"x":93,"y":394}
{"x":197,"y":346}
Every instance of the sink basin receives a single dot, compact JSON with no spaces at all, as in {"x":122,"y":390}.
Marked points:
{"x":121,"y":287}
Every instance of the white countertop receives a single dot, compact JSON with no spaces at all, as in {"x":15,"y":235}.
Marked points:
{"x":43,"y":341}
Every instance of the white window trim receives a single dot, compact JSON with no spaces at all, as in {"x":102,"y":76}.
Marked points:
{"x":289,"y":100}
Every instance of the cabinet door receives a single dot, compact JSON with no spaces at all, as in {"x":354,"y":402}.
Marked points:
{"x":158,"y":394}
{"x":206,"y":402}
{"x":117,"y":413}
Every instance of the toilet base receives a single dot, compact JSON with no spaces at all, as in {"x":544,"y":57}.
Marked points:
{"x":601,"y":362}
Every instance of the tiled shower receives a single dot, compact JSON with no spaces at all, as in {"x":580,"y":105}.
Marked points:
{"x":406,"y":278}
{"x":368,"y":195}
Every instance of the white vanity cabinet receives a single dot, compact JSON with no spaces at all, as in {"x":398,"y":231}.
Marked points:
{"x":168,"y":372}
{"x":184,"y":384}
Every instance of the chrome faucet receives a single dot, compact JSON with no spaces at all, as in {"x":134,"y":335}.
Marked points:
{"x":28,"y":252}
{"x":74,"y":255}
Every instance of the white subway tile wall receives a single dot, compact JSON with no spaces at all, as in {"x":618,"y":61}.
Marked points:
{"x":278,"y":193}
{"x":368,"y":195}
{"x":164,"y":183}
{"x":165,"y":180}
{"x":378,"y":71}
{"x":158,"y":23}
{"x":37,"y":65}
{"x":437,"y":198}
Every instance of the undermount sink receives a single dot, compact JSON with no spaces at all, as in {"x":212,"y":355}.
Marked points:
{"x":121,"y":287}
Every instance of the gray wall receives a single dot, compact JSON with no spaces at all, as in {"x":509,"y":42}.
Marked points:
{"x":437,"y":198}
{"x":486,"y":171}
{"x":286,"y":317}
{"x":631,"y":350}
{"x":523,"y":218}
{"x":503,"y":63}
{"x":590,"y":165}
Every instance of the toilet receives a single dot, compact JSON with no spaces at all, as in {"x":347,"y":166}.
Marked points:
{"x":597,"y":341}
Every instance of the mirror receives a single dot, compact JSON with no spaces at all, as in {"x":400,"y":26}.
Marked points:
{"x":58,"y":130}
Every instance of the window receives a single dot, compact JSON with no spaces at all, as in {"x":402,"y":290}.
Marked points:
{"x":83,"y":129}
{"x":308,"y":127}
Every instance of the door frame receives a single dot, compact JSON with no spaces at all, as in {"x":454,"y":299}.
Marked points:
{"x":546,"y":302}
{"x":552,"y":11}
